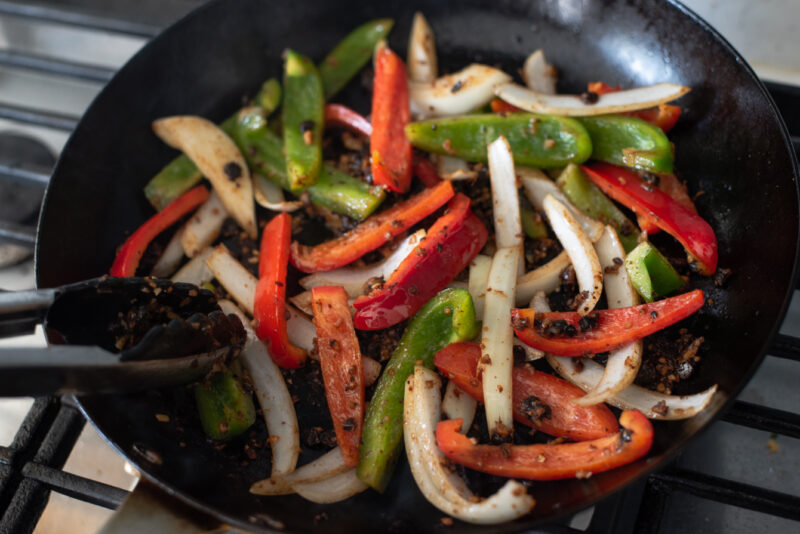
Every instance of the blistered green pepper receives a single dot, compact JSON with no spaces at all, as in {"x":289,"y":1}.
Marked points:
{"x":532,"y":223}
{"x":447,"y":318}
{"x":651,"y":273}
{"x":303,"y":120}
{"x":351,"y":54}
{"x":536,"y":140}
{"x":269,"y":97}
{"x":629,"y":141}
{"x":588,"y":198}
{"x":226,"y":409}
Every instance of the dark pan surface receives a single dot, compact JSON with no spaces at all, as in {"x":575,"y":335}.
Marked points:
{"x":730,"y":144}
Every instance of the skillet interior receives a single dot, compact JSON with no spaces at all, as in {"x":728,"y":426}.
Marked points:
{"x":730,"y":144}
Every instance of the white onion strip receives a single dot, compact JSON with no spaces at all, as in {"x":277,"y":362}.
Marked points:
{"x":329,"y":464}
{"x":450,"y":168}
{"x":538,"y":74}
{"x":439,"y":484}
{"x":505,"y":198}
{"x":300,"y":329}
{"x":204,"y":226}
{"x":273,"y":397}
{"x":546,"y":278}
{"x":457,"y":93}
{"x":195,"y":271}
{"x":334,"y":489}
{"x":573,"y":105}
{"x":458,"y":405}
{"x":421,"y":59}
{"x":270,"y":196}
{"x":537,"y":186}
{"x":497,"y":345}
{"x":623,"y":363}
{"x":171,"y":258}
{"x":580,"y":251}
{"x":236,"y":280}
{"x":587,"y":373}
{"x":478,"y":275}
{"x":353,"y":280}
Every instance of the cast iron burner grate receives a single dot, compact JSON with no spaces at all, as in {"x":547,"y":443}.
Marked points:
{"x":30,"y":468}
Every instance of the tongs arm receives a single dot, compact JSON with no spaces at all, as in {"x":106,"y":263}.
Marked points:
{"x":21,"y":311}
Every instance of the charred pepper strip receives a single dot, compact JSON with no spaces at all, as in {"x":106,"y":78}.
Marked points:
{"x":650,"y":272}
{"x":536,"y":140}
{"x":541,"y":400}
{"x":550,"y":462}
{"x":453,"y":240}
{"x":351,"y":54}
{"x":225,"y":408}
{"x":447,"y":318}
{"x":371,"y":233}
{"x":629,"y":141}
{"x":131,"y":251}
{"x":303,"y":120}
{"x":588,"y":198}
{"x":565,"y":334}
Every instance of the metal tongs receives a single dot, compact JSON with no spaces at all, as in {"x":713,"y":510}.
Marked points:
{"x":114,"y":335}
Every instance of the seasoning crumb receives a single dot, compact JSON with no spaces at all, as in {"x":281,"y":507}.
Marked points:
{"x":772,"y":444}
{"x":549,"y":143}
{"x":447,"y":521}
{"x":162,"y":418}
{"x":589,"y":97}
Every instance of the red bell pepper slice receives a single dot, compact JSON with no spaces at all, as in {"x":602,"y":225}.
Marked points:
{"x":372,"y":233}
{"x":501,"y":106}
{"x":131,"y":251}
{"x":550,"y":462}
{"x":425,"y":171}
{"x":625,"y":186}
{"x":669,"y":184}
{"x":532,"y":389}
{"x":613,"y":328}
{"x":389,"y":147}
{"x":342,"y":371}
{"x":344,"y":117}
{"x":664,"y":115}
{"x":453,"y":240}
{"x":269,"y":307}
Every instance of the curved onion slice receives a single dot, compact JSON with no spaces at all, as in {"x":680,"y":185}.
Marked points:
{"x":442,"y":486}
{"x":505,"y":198}
{"x":458,"y":405}
{"x":580,"y":251}
{"x":334,"y":489}
{"x":354,"y":280}
{"x":270,"y":196}
{"x":273,"y":397}
{"x":171,"y":258}
{"x":218,"y":158}
{"x":573,"y":105}
{"x":421,"y":59}
{"x":623,"y":363}
{"x":236,"y":280}
{"x":545,"y":278}
{"x":195,"y":271}
{"x":457,"y":93}
{"x":204,"y":226}
{"x":478,"y":275}
{"x":497,"y":341}
{"x":586,"y":373}
{"x":450,"y":168}
{"x":539,"y":75}
{"x":329,"y":464}
{"x":537,"y":186}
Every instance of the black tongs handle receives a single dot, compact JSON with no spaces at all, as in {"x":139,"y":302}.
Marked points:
{"x":21,"y":311}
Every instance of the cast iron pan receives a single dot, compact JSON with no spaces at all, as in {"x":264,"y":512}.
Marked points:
{"x":730,"y":143}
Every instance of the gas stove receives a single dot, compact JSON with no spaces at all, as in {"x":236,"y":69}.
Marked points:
{"x":58,"y":476}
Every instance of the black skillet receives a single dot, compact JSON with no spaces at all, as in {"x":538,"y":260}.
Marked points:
{"x":730,"y":144}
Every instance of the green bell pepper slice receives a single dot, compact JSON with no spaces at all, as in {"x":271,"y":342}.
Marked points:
{"x":226,"y":409}
{"x":540,"y":141}
{"x":532,"y":223}
{"x":351,"y":54}
{"x":630,"y":142}
{"x":650,"y":272}
{"x":447,"y":318}
{"x":269,"y":97}
{"x":592,"y":202}
{"x":303,"y":120}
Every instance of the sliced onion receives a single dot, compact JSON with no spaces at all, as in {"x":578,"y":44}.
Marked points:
{"x":450,"y":168}
{"x":301,"y":330}
{"x":270,"y":196}
{"x":531,"y":354}
{"x":581,"y":253}
{"x":458,"y":405}
{"x":236,"y":280}
{"x":539,"y":75}
{"x":623,"y":363}
{"x":329,"y":464}
{"x":218,"y":158}
{"x":273,"y":397}
{"x":537,"y":186}
{"x":353,"y":280}
{"x":334,"y":489}
{"x":204,"y":226}
{"x":587,"y":373}
{"x":539,"y":303}
{"x":505,"y":198}
{"x":171,"y":258}
{"x":195,"y":271}
{"x":457,"y":93}
{"x":573,"y":105}
{"x":421,"y":60}
{"x":546,"y":278}
{"x":478,"y":275}
{"x":372,"y":370}
{"x":440,"y":484}
{"x":497,"y":340}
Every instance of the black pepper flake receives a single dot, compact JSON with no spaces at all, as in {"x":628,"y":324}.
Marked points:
{"x":589,"y":97}
{"x":535,"y":410}
{"x":232,"y":170}
{"x":588,"y":322}
{"x":652,"y":179}
{"x":433,"y":126}
{"x":306,"y":126}
{"x":653,"y":314}
{"x":349,"y":424}
{"x":457,"y":87}
{"x":625,"y":435}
